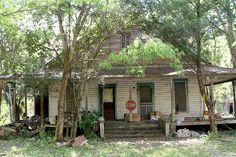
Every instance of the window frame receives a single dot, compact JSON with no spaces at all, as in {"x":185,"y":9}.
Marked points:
{"x":186,"y":93}
{"x":124,"y":36}
{"x":152,"y":86}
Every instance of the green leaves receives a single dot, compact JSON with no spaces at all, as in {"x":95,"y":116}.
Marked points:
{"x":140,"y":54}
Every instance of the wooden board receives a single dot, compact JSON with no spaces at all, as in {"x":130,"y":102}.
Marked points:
{"x":189,"y":123}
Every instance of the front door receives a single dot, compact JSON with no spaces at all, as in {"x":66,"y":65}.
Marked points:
{"x":145,"y":99}
{"x":108,"y":102}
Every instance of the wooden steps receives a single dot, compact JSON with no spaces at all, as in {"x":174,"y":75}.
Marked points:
{"x":121,"y":129}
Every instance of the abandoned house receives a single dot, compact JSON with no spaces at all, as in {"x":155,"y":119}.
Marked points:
{"x":162,"y":91}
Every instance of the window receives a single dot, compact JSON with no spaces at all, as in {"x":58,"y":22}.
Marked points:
{"x":180,"y":93}
{"x":108,"y":95}
{"x":125,"y":39}
{"x":145,"y":94}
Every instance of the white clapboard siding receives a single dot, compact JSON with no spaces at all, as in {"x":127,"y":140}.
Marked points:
{"x":53,"y":99}
{"x":162,"y":96}
{"x":93,"y":96}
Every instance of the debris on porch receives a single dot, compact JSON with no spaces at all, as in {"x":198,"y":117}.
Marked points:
{"x":129,"y":117}
{"x":30,"y":125}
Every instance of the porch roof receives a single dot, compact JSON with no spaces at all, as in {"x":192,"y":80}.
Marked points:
{"x":219,"y":74}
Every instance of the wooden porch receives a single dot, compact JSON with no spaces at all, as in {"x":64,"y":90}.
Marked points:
{"x":142,"y":129}
{"x":206,"y":122}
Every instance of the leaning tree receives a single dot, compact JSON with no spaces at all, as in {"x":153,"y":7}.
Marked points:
{"x":75,"y":33}
{"x":185,"y":25}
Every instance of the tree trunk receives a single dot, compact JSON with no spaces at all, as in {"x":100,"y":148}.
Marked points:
{"x":41,"y":107}
{"x":233,"y":55}
{"x":26,"y":97}
{"x":61,"y":102}
{"x":209,"y":103}
{"x":211,"y":111}
{"x":230,"y":41}
{"x":73,"y":107}
{"x":204,"y":94}
{"x":0,"y":98}
{"x":81,"y":87}
{"x":229,"y":31}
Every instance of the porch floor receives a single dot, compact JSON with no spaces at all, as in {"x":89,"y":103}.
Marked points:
{"x":206,"y":122}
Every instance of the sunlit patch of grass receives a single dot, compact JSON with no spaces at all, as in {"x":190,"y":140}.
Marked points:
{"x":223,"y":146}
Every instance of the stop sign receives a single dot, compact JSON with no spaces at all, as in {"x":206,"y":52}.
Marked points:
{"x":130,"y":105}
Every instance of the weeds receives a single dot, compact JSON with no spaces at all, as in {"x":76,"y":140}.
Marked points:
{"x":46,"y":137}
{"x":212,"y":136}
{"x":42,"y":146}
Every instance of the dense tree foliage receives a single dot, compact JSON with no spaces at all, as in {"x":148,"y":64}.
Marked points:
{"x":185,"y":24}
{"x":71,"y":34}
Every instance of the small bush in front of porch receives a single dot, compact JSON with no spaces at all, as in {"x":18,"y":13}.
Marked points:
{"x":88,"y":123}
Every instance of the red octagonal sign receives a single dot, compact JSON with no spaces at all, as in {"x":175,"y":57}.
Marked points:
{"x":130,"y":105}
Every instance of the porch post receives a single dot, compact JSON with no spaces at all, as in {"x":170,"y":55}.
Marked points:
{"x":41,"y":106}
{"x":86,"y":96}
{"x":14,"y":103}
{"x":102,"y":128}
{"x":234,"y":84}
{"x":100,"y":90}
{"x":172,"y":101}
{"x":212,"y":95}
{"x":25,"y":102}
{"x":212,"y":89}
{"x":173,"y":120}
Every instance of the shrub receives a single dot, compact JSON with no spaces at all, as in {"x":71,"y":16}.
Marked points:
{"x":89,"y":120}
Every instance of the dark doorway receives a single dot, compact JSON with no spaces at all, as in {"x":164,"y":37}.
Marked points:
{"x":109,"y":103}
{"x":180,"y":93}
{"x":107,"y":98}
{"x":45,"y":107}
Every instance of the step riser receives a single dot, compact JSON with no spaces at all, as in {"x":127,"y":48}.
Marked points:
{"x":132,"y":136}
{"x":132,"y":127}
{"x":120,"y":129}
{"x":132,"y":132}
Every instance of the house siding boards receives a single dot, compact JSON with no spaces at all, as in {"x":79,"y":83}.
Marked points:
{"x":162,"y":96}
{"x":193,"y":99}
{"x":114,"y":42}
{"x":53,"y":99}
{"x":93,"y":96}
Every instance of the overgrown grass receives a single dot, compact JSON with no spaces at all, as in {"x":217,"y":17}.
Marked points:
{"x":225,"y":145}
